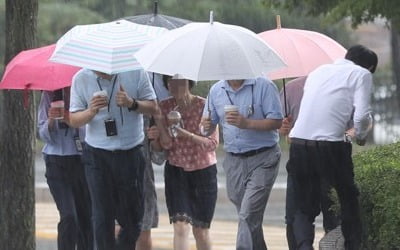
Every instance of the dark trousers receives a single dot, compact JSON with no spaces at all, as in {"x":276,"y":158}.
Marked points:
{"x":115,"y":180}
{"x":66,"y":179}
{"x":330,"y":219}
{"x":311,"y":164}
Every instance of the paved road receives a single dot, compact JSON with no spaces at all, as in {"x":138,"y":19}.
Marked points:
{"x":223,"y":233}
{"x":223,"y":229}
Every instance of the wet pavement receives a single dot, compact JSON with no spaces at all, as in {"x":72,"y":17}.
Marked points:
{"x":223,"y":229}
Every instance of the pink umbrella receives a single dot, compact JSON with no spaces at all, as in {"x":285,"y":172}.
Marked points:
{"x":31,"y":69}
{"x":301,"y":50}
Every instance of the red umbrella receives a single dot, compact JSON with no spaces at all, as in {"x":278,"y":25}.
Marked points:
{"x":31,"y":69}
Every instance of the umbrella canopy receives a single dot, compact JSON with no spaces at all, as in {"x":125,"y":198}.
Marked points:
{"x":158,"y":20}
{"x":104,"y":47}
{"x":31,"y":69}
{"x":209,"y":51}
{"x":302,"y":50}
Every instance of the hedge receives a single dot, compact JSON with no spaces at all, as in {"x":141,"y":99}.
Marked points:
{"x":377,"y":172}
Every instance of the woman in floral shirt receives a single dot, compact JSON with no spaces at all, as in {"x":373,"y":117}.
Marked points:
{"x":190,"y":172}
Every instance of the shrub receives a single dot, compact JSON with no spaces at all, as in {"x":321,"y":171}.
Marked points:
{"x":377,"y":172}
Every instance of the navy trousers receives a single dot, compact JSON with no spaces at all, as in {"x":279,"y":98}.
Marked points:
{"x":66,"y":179}
{"x":115,"y":180}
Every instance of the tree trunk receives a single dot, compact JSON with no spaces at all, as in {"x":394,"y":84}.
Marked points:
{"x":17,"y":137}
{"x":395,"y":44}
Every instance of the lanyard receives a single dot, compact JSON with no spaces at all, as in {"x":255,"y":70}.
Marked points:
{"x":109,"y":101}
{"x":250,"y":110}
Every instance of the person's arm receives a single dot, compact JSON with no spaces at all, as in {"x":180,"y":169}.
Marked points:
{"x":148,"y":107}
{"x":271,"y":109}
{"x":209,"y":143}
{"x":287,"y":125}
{"x":362,"y":109}
{"x":79,"y":118}
{"x":141,"y":106}
{"x":207,"y":126}
{"x":236,"y":119}
{"x":154,"y":136}
{"x":46,"y":125}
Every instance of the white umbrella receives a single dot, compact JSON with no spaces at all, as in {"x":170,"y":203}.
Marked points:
{"x":209,"y":51}
{"x":105,"y":47}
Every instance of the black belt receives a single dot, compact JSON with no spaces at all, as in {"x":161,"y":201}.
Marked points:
{"x":312,"y":143}
{"x":251,"y":152}
{"x":117,"y":151}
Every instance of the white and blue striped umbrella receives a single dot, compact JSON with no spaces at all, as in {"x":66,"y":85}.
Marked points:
{"x":105,"y":47}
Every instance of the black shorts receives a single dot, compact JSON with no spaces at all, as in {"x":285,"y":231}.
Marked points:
{"x":191,"y":196}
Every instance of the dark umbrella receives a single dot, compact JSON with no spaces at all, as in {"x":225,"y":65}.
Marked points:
{"x":155,"y":19}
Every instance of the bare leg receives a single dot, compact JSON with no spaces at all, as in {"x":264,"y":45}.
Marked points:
{"x":144,"y":241}
{"x":202,"y":236}
{"x":181,"y":235}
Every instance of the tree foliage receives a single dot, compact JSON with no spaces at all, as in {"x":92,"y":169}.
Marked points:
{"x":55,"y":19}
{"x":359,"y":11}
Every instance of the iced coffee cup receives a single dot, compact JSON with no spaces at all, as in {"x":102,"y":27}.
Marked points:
{"x":174,"y":120}
{"x":230,"y":108}
{"x":58,"y":106}
{"x":102,"y":93}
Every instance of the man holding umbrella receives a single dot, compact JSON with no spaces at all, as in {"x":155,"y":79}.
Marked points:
{"x":318,"y":151}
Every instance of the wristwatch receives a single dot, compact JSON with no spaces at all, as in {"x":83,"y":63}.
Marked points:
{"x":134,"y":105}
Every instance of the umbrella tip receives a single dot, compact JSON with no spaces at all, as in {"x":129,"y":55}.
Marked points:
{"x":278,"y":22}
{"x":211,"y":17}
{"x":155,"y":7}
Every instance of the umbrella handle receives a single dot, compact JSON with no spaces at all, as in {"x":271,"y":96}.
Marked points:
{"x":278,"y":21}
{"x":284,"y":97}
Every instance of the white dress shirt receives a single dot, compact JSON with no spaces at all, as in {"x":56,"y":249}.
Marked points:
{"x":331,"y":92}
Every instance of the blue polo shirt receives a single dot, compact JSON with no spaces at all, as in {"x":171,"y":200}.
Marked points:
{"x":129,"y":123}
{"x":261,"y":94}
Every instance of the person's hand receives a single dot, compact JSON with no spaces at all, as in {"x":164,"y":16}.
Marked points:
{"x":183,"y":133}
{"x":97,"y":102}
{"x":66,"y":117}
{"x":54,"y":113}
{"x":287,"y":124}
{"x":123,"y":99}
{"x":205,"y":125}
{"x":236,"y":119}
{"x":351,"y":132}
{"x":153,"y":133}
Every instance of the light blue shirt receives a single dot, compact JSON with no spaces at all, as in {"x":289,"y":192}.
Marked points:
{"x":129,"y":123}
{"x":265,"y":99}
{"x":58,"y":141}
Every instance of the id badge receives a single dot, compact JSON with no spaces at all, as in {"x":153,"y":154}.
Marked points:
{"x":78,"y":144}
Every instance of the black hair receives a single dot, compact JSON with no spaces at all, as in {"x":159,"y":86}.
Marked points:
{"x":363,"y":57}
{"x":166,"y":78}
